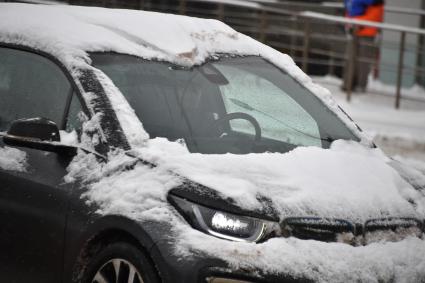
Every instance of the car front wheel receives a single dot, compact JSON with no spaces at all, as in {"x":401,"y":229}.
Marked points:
{"x":120,"y":263}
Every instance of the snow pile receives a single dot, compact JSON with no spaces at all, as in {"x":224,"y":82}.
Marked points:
{"x":306,"y":181}
{"x":13,"y":159}
{"x":412,"y":171}
{"x":349,"y":181}
{"x":139,"y":193}
{"x":416,"y":164}
{"x":321,"y":262}
{"x":69,"y":138}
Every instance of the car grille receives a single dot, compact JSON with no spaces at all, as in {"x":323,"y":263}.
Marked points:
{"x":339,"y":230}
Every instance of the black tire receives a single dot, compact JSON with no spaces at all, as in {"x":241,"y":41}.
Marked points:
{"x":129,"y":254}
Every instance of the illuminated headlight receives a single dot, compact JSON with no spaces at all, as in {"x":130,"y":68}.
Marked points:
{"x":223,"y":224}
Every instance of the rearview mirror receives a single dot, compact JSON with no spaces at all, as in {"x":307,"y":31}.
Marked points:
{"x":35,"y":128}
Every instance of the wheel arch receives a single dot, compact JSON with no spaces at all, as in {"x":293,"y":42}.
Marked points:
{"x":106,"y":230}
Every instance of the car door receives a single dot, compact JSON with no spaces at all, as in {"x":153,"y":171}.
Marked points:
{"x":33,"y":194}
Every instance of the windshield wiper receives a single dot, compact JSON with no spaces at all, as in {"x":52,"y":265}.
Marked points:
{"x":242,"y":104}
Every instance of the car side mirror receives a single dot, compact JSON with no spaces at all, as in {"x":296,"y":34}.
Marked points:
{"x":41,"y":129}
{"x":37,"y":133}
{"x":43,"y":134}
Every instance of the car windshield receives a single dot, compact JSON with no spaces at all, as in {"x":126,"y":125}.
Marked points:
{"x":230,"y":104}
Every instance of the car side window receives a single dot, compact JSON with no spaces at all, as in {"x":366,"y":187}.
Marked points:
{"x":31,"y":86}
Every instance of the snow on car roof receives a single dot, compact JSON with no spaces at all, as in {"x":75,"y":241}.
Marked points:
{"x":70,"y":31}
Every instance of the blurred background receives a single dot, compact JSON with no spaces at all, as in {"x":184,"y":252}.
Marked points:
{"x":323,"y":42}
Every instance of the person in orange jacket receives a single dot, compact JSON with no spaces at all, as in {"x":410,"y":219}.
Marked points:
{"x":368,"y":10}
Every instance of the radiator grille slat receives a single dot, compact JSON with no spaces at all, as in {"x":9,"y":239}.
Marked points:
{"x":340,"y":230}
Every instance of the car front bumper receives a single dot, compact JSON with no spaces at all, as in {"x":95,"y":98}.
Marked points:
{"x":175,"y":268}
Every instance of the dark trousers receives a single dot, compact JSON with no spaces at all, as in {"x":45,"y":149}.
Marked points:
{"x":364,"y":57}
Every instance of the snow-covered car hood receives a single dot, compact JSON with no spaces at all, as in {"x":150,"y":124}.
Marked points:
{"x":348,"y":181}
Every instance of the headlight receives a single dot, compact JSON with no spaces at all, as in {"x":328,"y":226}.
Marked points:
{"x":223,"y":224}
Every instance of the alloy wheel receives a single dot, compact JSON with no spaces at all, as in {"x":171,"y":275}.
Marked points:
{"x":117,"y":270}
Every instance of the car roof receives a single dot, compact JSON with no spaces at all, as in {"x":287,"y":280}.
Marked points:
{"x":69,"y":32}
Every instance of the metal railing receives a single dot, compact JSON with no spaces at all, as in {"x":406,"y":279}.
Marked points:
{"x":403,"y":31}
{"x":388,"y":9}
{"x":318,"y":42}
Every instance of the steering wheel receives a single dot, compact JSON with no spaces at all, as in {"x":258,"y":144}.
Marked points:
{"x":242,"y":116}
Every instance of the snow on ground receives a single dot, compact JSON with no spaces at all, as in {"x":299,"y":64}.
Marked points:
{"x":398,"y":132}
{"x":378,"y":87}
